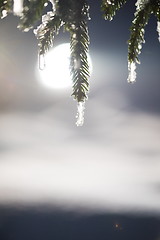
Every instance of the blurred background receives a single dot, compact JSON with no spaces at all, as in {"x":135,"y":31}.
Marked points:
{"x":98,"y":181}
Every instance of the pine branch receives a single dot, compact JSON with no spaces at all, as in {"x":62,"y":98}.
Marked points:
{"x":79,"y":62}
{"x":74,"y":15}
{"x":142,"y":14}
{"x":137,"y":32}
{"x":110,"y":7}
{"x":32,"y":12}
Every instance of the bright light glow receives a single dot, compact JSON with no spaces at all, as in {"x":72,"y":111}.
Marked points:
{"x":56,"y":73}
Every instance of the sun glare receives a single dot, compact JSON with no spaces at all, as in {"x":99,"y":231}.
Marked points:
{"x":56,"y":73}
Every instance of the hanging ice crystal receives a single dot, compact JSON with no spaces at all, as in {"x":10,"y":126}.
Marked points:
{"x":80,"y":113}
{"x":158,"y":30}
{"x":41,"y":62}
{"x":18,"y":7}
{"x":131,"y":72}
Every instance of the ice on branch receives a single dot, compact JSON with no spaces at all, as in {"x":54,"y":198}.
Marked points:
{"x":140,"y":4}
{"x":80,"y":113}
{"x":4,"y":14}
{"x":40,"y":31}
{"x":131,"y":72}
{"x":158,"y":30}
{"x":47,"y":17}
{"x":18,"y":7}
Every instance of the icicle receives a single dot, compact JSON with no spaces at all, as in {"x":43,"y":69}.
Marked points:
{"x":18,"y":7}
{"x":41,"y":62}
{"x":80,"y":113}
{"x":158,"y":30}
{"x":132,"y":73}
